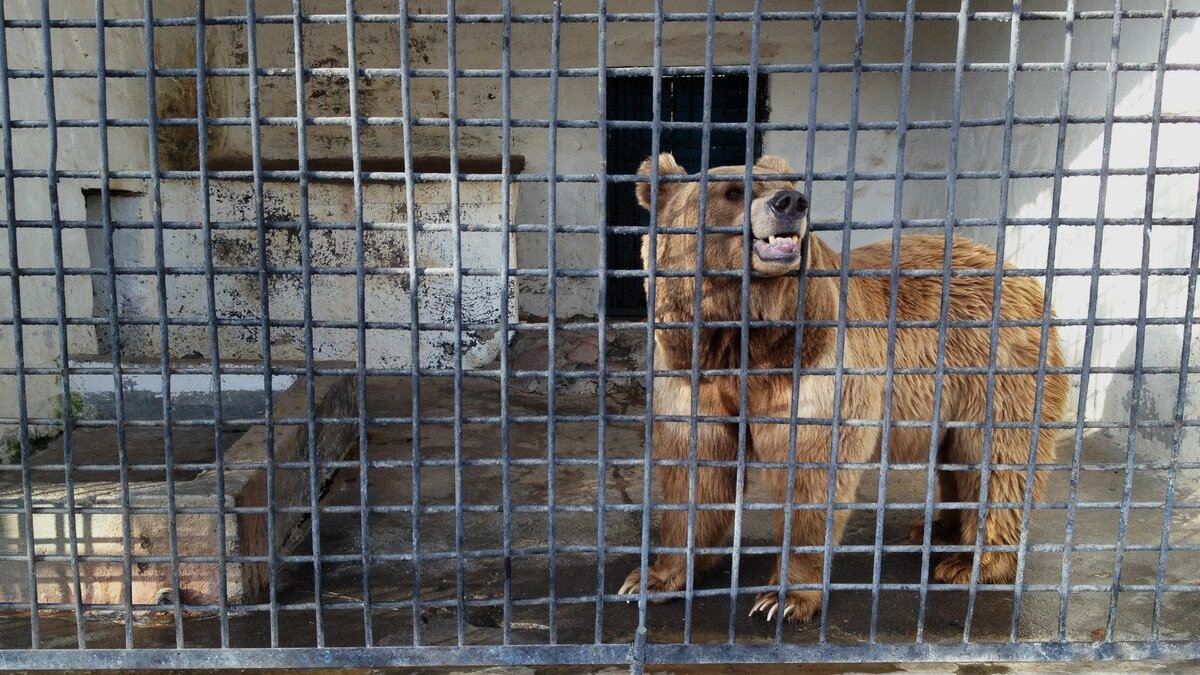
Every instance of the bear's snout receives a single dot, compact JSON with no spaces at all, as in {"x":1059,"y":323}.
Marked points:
{"x":778,"y":222}
{"x":788,"y":205}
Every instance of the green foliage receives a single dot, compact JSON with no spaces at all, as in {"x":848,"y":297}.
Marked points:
{"x":74,"y":411}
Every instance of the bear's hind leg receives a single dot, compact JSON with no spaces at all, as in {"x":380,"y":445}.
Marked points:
{"x":1001,"y":526}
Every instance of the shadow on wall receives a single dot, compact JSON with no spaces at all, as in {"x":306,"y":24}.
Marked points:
{"x":1032,"y":203}
{"x":1031,"y":194}
{"x":1163,"y":346}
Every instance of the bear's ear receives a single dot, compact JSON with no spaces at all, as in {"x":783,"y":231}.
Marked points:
{"x":666,"y":167}
{"x":774,"y":164}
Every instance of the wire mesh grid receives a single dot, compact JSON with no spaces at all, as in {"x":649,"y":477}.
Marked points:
{"x":313,"y":356}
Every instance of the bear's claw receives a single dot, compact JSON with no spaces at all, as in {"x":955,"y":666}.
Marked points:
{"x":657,"y":582}
{"x":798,"y":608}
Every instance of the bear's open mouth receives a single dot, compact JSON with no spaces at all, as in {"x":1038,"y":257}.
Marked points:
{"x":775,"y":248}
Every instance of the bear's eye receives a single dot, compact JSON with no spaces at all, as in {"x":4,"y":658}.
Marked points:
{"x":733,"y":194}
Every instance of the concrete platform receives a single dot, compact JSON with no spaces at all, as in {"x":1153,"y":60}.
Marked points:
{"x":100,"y":533}
{"x":390,"y":538}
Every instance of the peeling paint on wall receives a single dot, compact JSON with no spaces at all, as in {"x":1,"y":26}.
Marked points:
{"x":239,"y":294}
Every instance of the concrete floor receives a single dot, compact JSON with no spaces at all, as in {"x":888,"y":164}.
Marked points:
{"x":578,"y":484}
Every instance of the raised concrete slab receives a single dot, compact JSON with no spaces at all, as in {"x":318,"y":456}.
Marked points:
{"x":100,"y":531}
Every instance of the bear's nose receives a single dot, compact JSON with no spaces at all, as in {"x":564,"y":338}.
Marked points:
{"x":788,"y":204}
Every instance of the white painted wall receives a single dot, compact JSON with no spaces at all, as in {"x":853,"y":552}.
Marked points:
{"x":78,"y":149}
{"x":1108,"y":396}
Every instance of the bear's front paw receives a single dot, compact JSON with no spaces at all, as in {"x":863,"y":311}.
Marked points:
{"x":657,"y":581}
{"x":799,"y":607}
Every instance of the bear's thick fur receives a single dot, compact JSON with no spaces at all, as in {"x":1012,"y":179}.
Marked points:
{"x":778,"y":224}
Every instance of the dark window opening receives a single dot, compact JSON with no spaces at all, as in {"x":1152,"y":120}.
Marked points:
{"x":631,"y":98}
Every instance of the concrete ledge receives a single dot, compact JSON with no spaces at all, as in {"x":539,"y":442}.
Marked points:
{"x":100,"y":532}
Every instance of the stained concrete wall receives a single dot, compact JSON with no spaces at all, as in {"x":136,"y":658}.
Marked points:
{"x":239,"y":296}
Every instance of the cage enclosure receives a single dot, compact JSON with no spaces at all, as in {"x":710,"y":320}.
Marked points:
{"x":326,"y":325}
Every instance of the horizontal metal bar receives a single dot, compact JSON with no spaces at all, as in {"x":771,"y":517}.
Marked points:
{"x":393,"y":270}
{"x":492,"y":420}
{"x":620,"y":17}
{"x":561,"y":228}
{"x":591,"y":549}
{"x":618,"y":461}
{"x":584,"y":374}
{"x":743,"y":591}
{"x":389,"y":121}
{"x":613,"y":71}
{"x":397,"y":325}
{"x":441,"y":177}
{"x":42,"y":508}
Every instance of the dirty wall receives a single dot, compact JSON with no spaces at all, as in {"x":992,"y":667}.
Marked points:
{"x":479,"y":99}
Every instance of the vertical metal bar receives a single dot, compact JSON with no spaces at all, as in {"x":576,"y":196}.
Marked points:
{"x":814,"y":81}
{"x":210,"y":286}
{"x":414,"y":312}
{"x":1140,"y":339}
{"x":256,"y":151}
{"x":697,"y":295}
{"x":889,"y":379}
{"x":114,"y":324}
{"x":637,"y":652}
{"x":989,"y":411}
{"x":456,"y":215}
{"x":651,"y":297}
{"x":744,"y":350}
{"x":164,"y":343}
{"x":786,"y":548}
{"x":60,"y":297}
{"x":940,"y":364}
{"x":843,"y":285}
{"x":18,"y":329}
{"x":1090,"y":329}
{"x":551,"y":322}
{"x":364,"y":529}
{"x":601,"y":297}
{"x":1064,"y":106}
{"x":306,"y":291}
{"x":1181,"y":397}
{"x":505,"y":366}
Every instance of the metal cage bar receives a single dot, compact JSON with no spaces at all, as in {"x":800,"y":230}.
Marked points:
{"x":223,"y":208}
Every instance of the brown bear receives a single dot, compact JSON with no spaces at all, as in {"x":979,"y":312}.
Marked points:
{"x":779,"y":223}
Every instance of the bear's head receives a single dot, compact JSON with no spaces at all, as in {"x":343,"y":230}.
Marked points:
{"x":778,"y":217}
